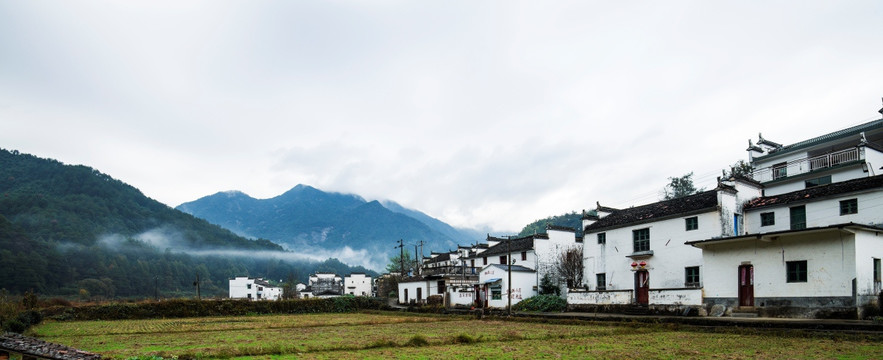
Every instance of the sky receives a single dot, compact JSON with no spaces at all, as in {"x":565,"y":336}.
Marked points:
{"x":483,"y":114}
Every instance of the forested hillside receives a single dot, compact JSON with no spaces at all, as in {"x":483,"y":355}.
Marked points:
{"x":71,"y":230}
{"x":571,"y":220}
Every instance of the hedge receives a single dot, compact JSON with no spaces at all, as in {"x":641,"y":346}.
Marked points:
{"x":181,"y":308}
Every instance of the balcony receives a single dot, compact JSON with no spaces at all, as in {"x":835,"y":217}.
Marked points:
{"x":806,"y":165}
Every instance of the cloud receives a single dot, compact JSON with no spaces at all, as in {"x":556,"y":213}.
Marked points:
{"x":479,"y":114}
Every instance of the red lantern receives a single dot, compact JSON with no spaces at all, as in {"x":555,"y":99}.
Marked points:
{"x":643,"y":264}
{"x":634,"y":264}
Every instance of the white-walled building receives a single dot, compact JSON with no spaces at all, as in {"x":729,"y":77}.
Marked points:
{"x":494,"y":289}
{"x":244,"y":287}
{"x":814,"y":242}
{"x":358,"y":284}
{"x":638,"y":256}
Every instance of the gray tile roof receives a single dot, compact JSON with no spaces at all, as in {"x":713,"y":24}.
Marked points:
{"x":656,"y":211}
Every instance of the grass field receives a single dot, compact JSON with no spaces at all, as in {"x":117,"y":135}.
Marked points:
{"x":399,"y":335}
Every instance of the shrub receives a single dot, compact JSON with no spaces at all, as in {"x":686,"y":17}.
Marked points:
{"x":541,"y":303}
{"x":435,"y":300}
{"x":417,"y":340}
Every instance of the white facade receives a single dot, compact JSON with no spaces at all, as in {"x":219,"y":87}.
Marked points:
{"x":417,"y":290}
{"x":813,"y":242}
{"x":243,"y":287}
{"x":494,"y":289}
{"x":639,"y":254}
{"x":358,"y":284}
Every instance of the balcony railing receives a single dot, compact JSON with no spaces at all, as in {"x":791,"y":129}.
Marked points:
{"x":805,"y":165}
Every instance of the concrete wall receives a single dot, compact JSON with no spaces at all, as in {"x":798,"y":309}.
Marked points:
{"x":458,"y":296}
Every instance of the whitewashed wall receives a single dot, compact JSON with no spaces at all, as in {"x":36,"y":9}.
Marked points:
{"x":821,"y":213}
{"x":670,"y":255}
{"x":615,"y":297}
{"x":357,"y":284}
{"x":522,"y":285}
{"x":868,"y":246}
{"x":676,"y":296}
{"x":830,"y":265}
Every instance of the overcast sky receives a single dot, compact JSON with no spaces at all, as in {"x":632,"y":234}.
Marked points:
{"x":483,"y":114}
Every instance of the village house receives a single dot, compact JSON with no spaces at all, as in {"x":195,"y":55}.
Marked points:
{"x":813,"y":243}
{"x":244,"y":287}
{"x":638,"y":256}
{"x":448,"y":275}
{"x":358,"y":284}
{"x":323,"y":285}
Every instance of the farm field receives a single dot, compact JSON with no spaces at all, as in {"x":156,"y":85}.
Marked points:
{"x":401,"y":335}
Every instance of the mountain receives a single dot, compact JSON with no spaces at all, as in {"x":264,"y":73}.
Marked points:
{"x":310,"y":220}
{"x":74,"y":231}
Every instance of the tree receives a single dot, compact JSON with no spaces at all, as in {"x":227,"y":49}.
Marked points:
{"x":739,"y":169}
{"x":395,"y":265}
{"x":679,"y":187}
{"x":547,"y":287}
{"x":570,"y":266}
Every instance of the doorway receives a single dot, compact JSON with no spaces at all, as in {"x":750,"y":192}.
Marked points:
{"x":746,"y":285}
{"x":642,"y":287}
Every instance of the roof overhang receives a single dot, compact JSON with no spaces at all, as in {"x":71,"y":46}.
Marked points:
{"x":771,"y":236}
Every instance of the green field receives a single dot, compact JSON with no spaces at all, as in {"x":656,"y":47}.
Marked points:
{"x":401,"y":335}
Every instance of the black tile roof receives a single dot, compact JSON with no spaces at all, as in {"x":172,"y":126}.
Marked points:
{"x":656,"y":211}
{"x":517,"y":245}
{"x":440,"y":258}
{"x":855,"y":130}
{"x":816,"y":192}
{"x":560,"y":228}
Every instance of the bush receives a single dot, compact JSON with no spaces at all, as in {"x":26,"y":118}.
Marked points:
{"x":195,"y":308}
{"x":541,"y":303}
{"x":435,"y":300}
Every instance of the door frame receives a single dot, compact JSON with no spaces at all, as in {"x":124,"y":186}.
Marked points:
{"x":642,"y":289}
{"x":745,"y":281}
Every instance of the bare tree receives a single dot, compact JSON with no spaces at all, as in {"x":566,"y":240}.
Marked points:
{"x":570,"y":266}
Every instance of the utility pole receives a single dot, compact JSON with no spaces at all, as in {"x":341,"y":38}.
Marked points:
{"x":196,"y":283}
{"x":401,"y":257}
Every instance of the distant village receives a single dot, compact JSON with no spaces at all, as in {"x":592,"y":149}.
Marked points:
{"x":797,"y":235}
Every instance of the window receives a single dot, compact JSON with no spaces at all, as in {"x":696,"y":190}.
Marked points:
{"x":485,"y":260}
{"x":601,"y":280}
{"x":602,"y":238}
{"x":798,"y":217}
{"x":503,"y":259}
{"x":441,"y":287}
{"x":249,"y":295}
{"x":849,"y":207}
{"x":524,"y":256}
{"x":497,"y":292}
{"x":691,"y":276}
{"x":796,"y":271}
{"x":248,"y":286}
{"x":818,"y":181}
{"x":641,"y":239}
{"x":692,"y":223}
{"x":876,"y":270}
{"x":767,"y":219}
{"x":780,"y":170}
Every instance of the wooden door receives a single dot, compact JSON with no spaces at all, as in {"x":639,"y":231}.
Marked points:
{"x":746,"y":285}
{"x":642,"y":287}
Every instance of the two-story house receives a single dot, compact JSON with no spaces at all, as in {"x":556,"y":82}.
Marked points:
{"x":358,"y":284}
{"x":244,"y":287}
{"x":637,"y":255}
{"x":813,"y":243}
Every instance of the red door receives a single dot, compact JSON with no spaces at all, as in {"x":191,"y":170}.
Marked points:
{"x":746,"y":285}
{"x":642,"y":287}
